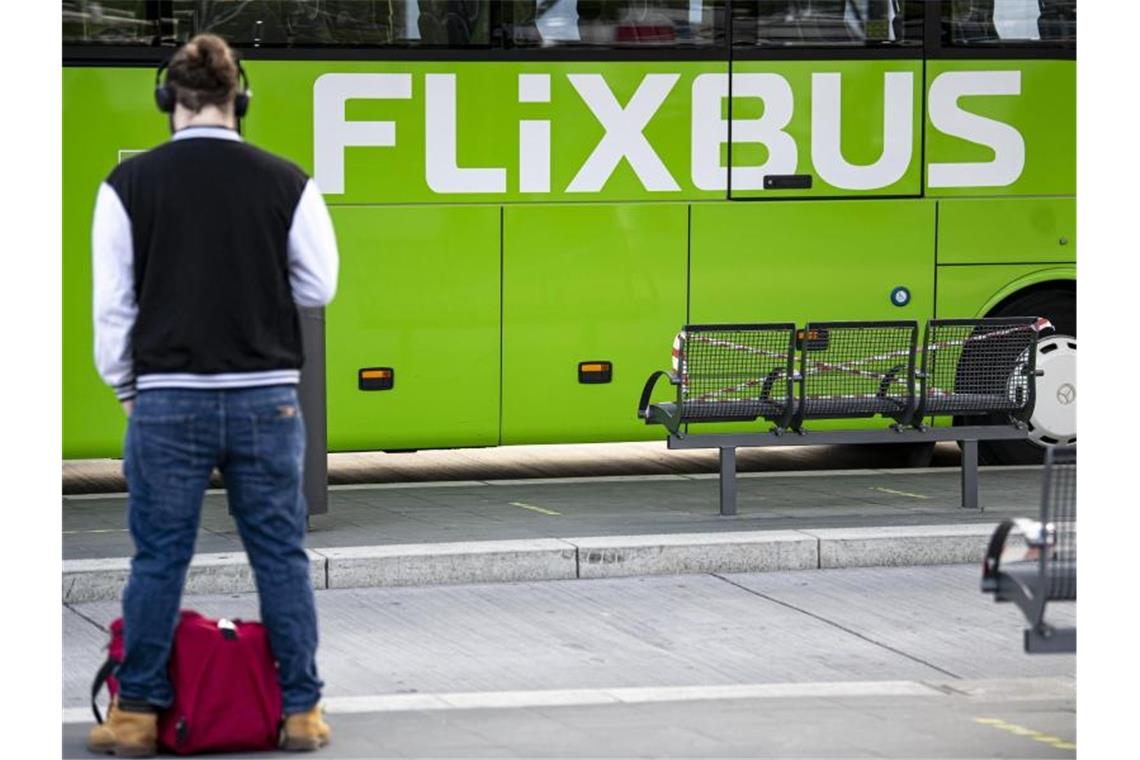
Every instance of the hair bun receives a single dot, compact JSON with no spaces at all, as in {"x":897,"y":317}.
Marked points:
{"x":206,"y":66}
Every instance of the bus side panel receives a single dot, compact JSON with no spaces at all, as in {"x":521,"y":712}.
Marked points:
{"x":801,"y":261}
{"x":1039,"y":115}
{"x":972,"y":291}
{"x":1007,"y":230}
{"x":108,"y":114}
{"x":418,"y":293}
{"x":882,"y":159}
{"x":587,"y":283}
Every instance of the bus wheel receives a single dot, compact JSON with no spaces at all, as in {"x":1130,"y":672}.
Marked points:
{"x":1054,"y":420}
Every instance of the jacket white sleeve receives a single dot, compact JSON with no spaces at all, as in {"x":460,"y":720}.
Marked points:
{"x":313,"y":259}
{"x":114,"y":297}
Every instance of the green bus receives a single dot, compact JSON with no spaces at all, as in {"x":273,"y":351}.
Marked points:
{"x":521,"y":187}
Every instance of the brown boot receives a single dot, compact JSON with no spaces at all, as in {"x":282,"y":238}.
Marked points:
{"x":305,"y":732}
{"x":125,"y":733}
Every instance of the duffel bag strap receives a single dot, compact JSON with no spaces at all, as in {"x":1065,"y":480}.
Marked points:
{"x":101,"y":678}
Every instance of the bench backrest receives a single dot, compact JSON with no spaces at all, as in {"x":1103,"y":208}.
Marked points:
{"x":1059,"y":511}
{"x":735,"y":372}
{"x":857,"y":369}
{"x":744,"y":372}
{"x":978,"y":367}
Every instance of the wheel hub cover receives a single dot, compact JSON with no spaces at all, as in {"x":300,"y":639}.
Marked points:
{"x":1054,"y":421}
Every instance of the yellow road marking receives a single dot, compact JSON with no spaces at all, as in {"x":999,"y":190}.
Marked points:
{"x":900,"y":493}
{"x":533,"y":508}
{"x":1013,"y":728}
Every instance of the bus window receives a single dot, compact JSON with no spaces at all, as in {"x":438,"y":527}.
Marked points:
{"x":110,"y":23}
{"x":283,"y":23}
{"x":349,"y":23}
{"x":453,"y":23}
{"x":399,"y":23}
{"x":990,"y":22}
{"x":826,"y":23}
{"x":613,"y":23}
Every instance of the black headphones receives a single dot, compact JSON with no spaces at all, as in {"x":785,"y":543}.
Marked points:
{"x":165,"y":96}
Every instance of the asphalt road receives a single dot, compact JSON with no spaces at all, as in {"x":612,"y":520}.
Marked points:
{"x":83,"y":476}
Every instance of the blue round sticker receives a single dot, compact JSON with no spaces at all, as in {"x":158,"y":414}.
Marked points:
{"x":900,"y":296}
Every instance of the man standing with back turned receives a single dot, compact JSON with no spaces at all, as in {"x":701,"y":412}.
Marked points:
{"x":203,"y":249}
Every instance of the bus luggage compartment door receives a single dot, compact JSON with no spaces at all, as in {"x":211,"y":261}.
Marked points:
{"x":585,"y":285}
{"x":418,"y":296}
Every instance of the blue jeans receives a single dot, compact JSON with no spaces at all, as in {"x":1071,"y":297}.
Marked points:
{"x":256,"y":437}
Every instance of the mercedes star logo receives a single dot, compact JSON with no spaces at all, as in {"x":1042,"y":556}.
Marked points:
{"x":1066,"y":394}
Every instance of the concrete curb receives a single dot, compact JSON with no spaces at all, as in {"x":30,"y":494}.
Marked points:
{"x":96,"y":580}
{"x":901,"y":545}
{"x":686,"y":553}
{"x":544,"y":559}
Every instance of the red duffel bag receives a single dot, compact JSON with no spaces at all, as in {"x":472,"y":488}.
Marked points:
{"x":226,"y":695}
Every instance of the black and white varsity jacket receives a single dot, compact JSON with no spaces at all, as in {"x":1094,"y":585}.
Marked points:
{"x":203,"y":248}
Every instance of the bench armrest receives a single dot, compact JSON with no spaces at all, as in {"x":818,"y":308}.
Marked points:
{"x":889,"y":377}
{"x":991,"y":565}
{"x":1036,"y":537}
{"x":647,"y":391}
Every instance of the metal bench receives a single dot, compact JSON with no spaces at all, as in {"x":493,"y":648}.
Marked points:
{"x":748,"y":372}
{"x":1049,"y":571}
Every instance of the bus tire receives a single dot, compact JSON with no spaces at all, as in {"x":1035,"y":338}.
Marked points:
{"x":1051,"y":422}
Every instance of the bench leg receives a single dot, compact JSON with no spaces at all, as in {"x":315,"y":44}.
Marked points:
{"x":969,"y":475}
{"x":728,"y":481}
{"x":1060,"y":640}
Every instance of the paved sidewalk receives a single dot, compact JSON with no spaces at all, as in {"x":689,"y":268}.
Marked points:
{"x":868,"y":662}
{"x":428,"y":513}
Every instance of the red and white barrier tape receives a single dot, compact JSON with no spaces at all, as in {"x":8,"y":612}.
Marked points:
{"x":850,"y":367}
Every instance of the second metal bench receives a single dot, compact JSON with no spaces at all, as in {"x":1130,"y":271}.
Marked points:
{"x":1049,"y":572}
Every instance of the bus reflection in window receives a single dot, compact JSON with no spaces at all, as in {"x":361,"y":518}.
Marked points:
{"x":617,"y":23}
{"x":776,"y":23}
{"x":982,"y":22}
